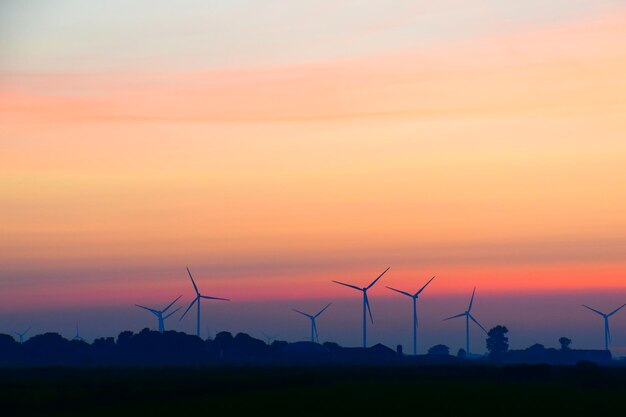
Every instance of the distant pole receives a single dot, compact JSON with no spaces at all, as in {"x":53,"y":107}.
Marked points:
{"x":198,"y":322}
{"x":364,"y":320}
{"x":414,"y":326}
{"x":467,"y":349}
{"x":606,"y":333}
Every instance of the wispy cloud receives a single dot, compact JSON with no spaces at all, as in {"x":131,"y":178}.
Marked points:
{"x":563,"y":69}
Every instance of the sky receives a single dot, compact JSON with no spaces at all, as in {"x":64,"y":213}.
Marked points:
{"x":273,"y":146}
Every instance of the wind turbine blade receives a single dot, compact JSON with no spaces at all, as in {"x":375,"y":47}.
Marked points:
{"x":608,"y":331}
{"x":322,"y":310}
{"x":425,"y":285}
{"x":172,"y":313}
{"x":454,"y":317}
{"x":27,"y":330}
{"x":213,"y":298}
{"x":189,"y":308}
{"x":594,"y":310}
{"x":379,"y":277}
{"x":192,"y":281}
{"x":401,"y":292}
{"x":472,"y":300}
{"x":304,"y":314}
{"x":616,"y":310}
{"x":476,"y":321}
{"x":171,"y":304}
{"x":315,"y":331}
{"x":367,"y":303}
{"x":349,"y":285}
{"x":153,"y":311}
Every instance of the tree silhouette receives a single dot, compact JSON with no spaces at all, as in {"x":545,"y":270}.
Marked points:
{"x":497,"y":342}
{"x":331,"y":346}
{"x":565,"y":342}
{"x":9,"y":349}
{"x":124,"y":337}
{"x":461,"y":354}
{"x":439,"y":350}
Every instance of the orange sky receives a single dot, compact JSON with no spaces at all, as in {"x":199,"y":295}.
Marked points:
{"x":496,"y":159}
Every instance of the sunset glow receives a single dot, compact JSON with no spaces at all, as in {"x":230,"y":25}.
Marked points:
{"x":488,"y":154}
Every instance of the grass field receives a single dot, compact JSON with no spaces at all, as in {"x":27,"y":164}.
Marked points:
{"x":302,"y":391}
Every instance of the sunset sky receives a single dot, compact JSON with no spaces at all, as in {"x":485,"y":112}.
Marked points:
{"x":273,"y":146}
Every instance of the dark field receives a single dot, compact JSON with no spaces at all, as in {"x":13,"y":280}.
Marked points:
{"x":391,"y":390}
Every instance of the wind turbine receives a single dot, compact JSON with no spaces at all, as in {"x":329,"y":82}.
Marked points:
{"x":468,"y":316}
{"x":21,"y":335}
{"x":607,"y":331}
{"x":269,"y":338}
{"x":314,"y":336}
{"x":159,"y":313}
{"x":77,"y":337}
{"x":198,"y":298}
{"x":414,"y":297}
{"x":366,"y":303}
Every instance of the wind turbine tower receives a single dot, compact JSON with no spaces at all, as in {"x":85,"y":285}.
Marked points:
{"x":314,"y":335}
{"x":607,"y":331}
{"x":198,"y":299}
{"x":21,"y":335}
{"x":366,"y":303}
{"x":468,"y":316}
{"x":159,"y":313}
{"x":77,"y":337}
{"x":414,"y":297}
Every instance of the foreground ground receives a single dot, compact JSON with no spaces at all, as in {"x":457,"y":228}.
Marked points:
{"x":301,"y":391}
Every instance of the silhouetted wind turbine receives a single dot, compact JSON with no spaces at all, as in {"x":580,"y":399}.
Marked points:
{"x":269,"y":338}
{"x":159,"y":313}
{"x":21,"y":335}
{"x":366,"y":303}
{"x":414,"y":297}
{"x":468,"y":316}
{"x":314,"y":336}
{"x":197,"y":300}
{"x":77,"y":337}
{"x":607,"y":331}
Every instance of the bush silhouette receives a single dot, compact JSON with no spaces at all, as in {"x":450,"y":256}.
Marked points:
{"x":439,"y":350}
